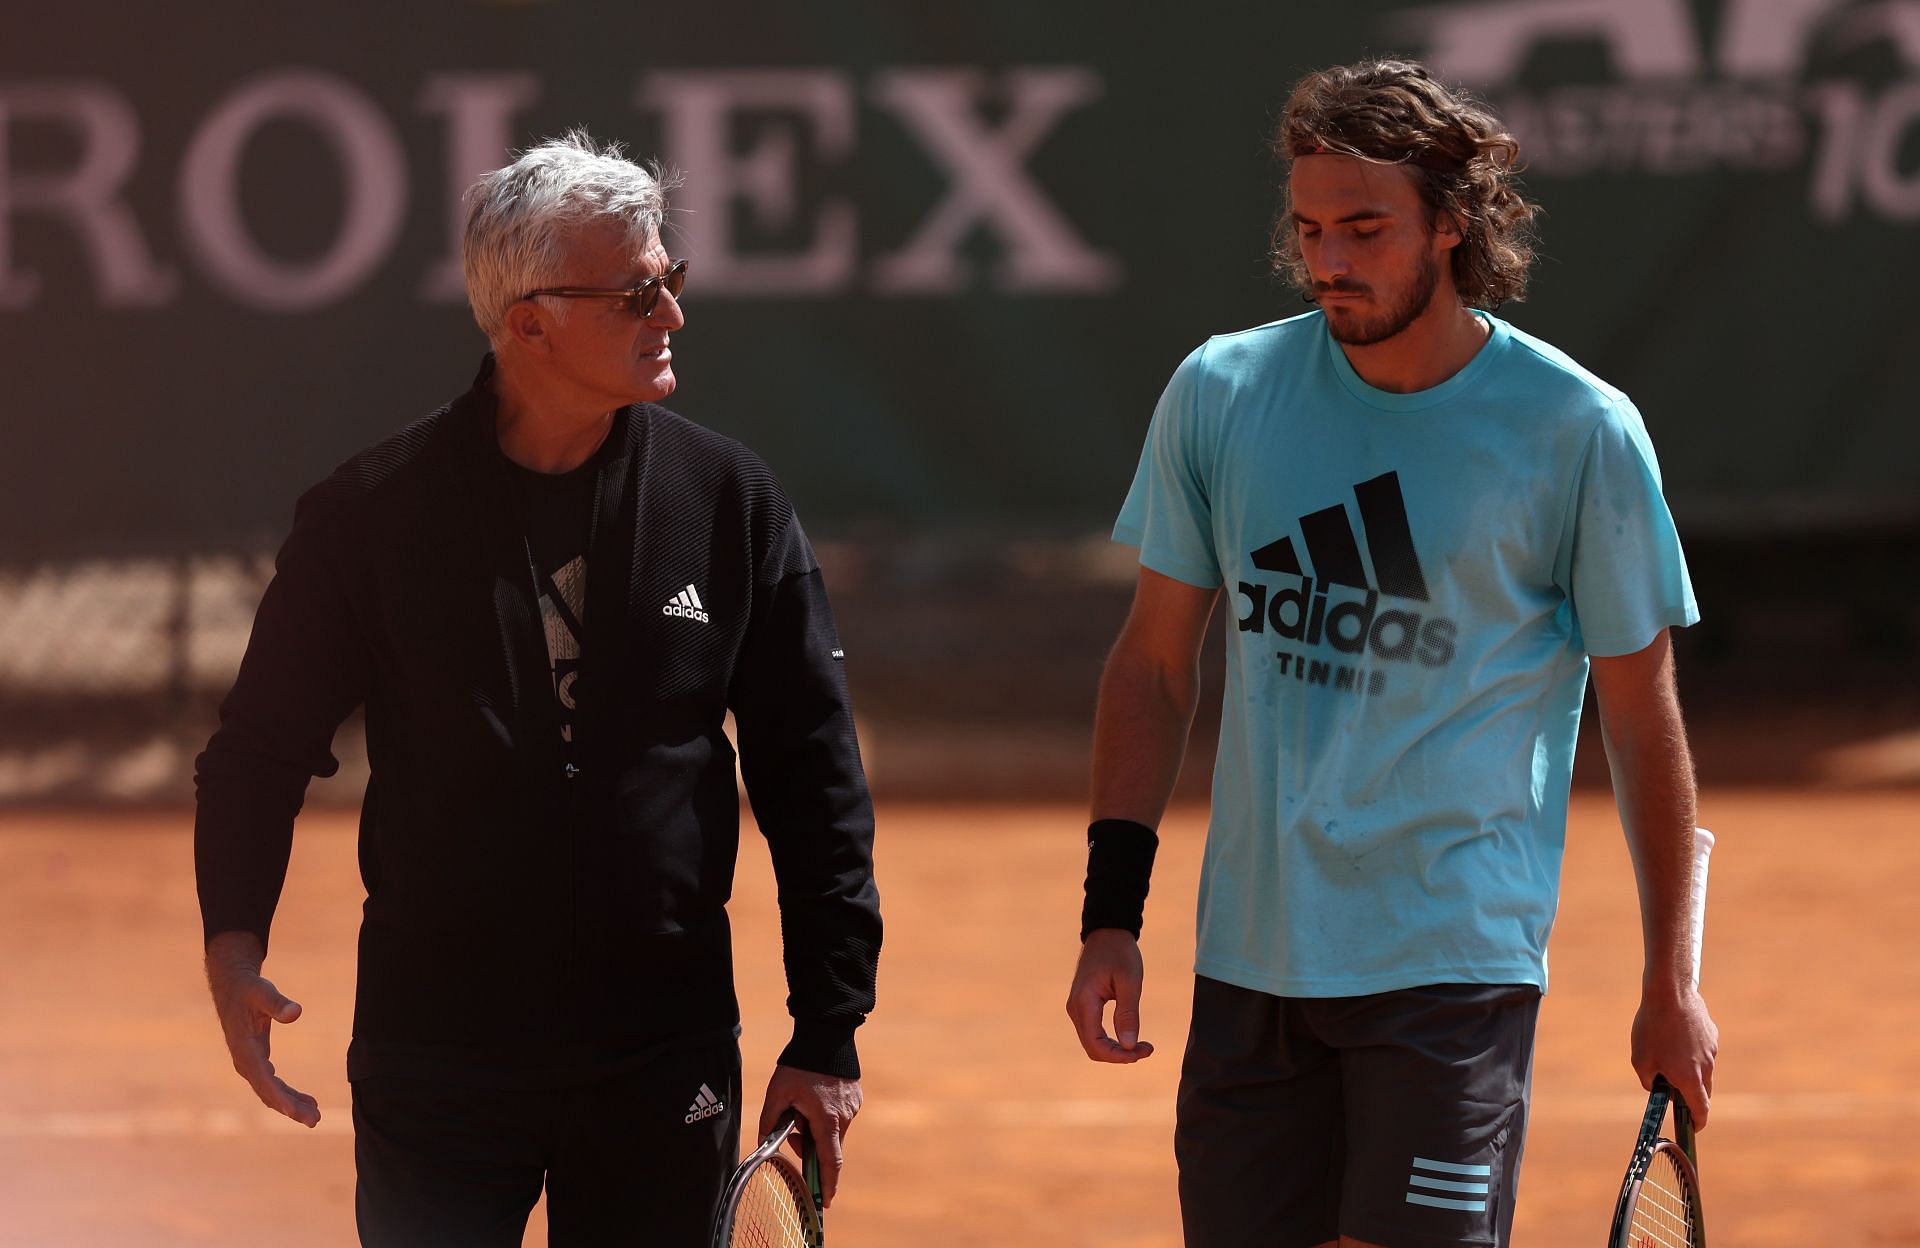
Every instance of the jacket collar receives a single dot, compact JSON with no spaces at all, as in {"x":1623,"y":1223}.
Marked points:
{"x":479,"y":411}
{"x":612,"y":562}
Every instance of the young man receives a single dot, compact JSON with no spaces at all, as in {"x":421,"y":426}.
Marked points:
{"x":1402,"y":695}
{"x":548,"y":595}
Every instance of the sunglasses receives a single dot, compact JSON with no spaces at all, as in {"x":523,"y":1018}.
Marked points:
{"x":639,"y":300}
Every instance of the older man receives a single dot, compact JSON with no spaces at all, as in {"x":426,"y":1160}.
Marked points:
{"x":548,"y":595}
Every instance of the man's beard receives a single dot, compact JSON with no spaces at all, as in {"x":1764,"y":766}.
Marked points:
{"x":1365,"y":333}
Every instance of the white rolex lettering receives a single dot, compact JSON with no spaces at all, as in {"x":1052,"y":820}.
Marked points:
{"x":940,"y":109}
{"x":479,"y":109}
{"x":372,"y":165}
{"x":701,"y":107}
{"x":85,"y":197}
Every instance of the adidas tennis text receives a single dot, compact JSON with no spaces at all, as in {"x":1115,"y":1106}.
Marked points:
{"x":705,"y":1105}
{"x":1351,"y":626}
{"x":687,"y":605}
{"x":1352,"y":623}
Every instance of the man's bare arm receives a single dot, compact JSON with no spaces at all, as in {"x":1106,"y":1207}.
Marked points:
{"x":1653,"y":786}
{"x":1147,"y":698}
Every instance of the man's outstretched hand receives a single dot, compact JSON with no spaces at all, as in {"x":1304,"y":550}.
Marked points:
{"x":248,"y":1006}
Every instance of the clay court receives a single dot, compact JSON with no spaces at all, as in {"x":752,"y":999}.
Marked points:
{"x":122,"y":1124}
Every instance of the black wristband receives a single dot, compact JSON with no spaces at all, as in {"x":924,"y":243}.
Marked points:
{"x":1119,"y":865}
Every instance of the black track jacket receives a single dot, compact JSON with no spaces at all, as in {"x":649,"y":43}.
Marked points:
{"x":524,"y":924}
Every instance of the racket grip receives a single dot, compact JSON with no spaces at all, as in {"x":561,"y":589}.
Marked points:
{"x":1702,"y":850}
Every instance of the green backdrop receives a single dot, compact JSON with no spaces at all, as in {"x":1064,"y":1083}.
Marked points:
{"x":943,"y":256}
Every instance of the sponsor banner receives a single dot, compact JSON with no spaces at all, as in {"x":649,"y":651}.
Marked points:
{"x":942,"y":260}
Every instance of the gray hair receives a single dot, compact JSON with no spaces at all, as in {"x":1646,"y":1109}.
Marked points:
{"x":518,"y":216}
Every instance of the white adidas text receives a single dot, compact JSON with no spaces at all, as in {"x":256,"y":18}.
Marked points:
{"x":687,"y":605}
{"x":704,"y":1106}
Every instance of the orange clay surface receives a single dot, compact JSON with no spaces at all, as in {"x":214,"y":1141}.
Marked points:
{"x":122,"y":1124}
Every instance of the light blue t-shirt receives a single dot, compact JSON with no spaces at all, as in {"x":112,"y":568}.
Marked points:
{"x":1416,"y":581}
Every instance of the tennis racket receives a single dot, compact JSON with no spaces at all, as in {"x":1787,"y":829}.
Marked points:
{"x":771,"y":1203}
{"x":1660,"y":1198}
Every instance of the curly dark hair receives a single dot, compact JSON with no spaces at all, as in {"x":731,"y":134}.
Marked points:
{"x":1393,"y":111}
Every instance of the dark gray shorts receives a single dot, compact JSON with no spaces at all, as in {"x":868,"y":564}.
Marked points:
{"x":1396,"y":1118}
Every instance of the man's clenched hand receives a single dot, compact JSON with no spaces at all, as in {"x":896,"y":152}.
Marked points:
{"x":1110,"y":969}
{"x":829,"y":1105}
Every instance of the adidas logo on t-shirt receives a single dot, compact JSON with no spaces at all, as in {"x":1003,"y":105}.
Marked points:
{"x":1312,"y":613}
{"x":687,"y":605}
{"x":705,"y":1105}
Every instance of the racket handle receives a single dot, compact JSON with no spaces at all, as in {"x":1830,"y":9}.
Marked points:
{"x":1702,"y":850}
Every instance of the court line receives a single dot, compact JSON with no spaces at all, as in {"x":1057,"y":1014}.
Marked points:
{"x":1582,"y":1109}
{"x":159,"y":1123}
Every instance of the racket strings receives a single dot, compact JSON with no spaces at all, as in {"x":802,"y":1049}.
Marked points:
{"x":770,"y":1213}
{"x":1663,"y":1214}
